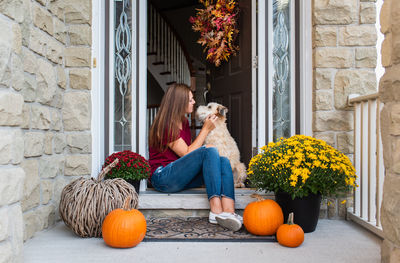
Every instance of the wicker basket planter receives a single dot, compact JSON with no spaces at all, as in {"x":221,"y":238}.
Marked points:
{"x":85,"y":202}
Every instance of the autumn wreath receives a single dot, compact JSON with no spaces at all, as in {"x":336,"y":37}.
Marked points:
{"x":217,"y":24}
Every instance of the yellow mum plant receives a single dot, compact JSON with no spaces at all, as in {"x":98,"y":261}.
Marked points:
{"x":301,"y":165}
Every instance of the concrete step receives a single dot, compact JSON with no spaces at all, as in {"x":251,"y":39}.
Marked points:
{"x":191,"y":202}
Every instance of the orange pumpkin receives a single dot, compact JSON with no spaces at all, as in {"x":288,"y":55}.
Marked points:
{"x":262,"y":217}
{"x":290,"y":234}
{"x":124,"y":227}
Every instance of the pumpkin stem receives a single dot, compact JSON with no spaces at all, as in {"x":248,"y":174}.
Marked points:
{"x":290,"y":219}
{"x":127,"y":203}
{"x":259,"y":197}
{"x":107,"y":169}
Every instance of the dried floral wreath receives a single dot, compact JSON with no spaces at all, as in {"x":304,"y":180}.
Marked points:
{"x":217,"y":24}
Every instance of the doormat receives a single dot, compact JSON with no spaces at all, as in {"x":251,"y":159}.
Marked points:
{"x":196,"y":229}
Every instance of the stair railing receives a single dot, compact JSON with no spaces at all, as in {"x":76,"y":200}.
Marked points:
{"x":165,"y":43}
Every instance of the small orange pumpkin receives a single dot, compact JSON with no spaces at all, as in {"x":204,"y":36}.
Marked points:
{"x":290,"y":234}
{"x":262,"y":217}
{"x":124,"y":228}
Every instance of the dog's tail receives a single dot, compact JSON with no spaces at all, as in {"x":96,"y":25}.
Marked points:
{"x":239,"y":175}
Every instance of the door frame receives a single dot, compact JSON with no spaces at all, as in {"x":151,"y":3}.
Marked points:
{"x":261,"y":115}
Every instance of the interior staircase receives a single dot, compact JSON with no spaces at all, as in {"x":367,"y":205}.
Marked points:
{"x":167,"y":58}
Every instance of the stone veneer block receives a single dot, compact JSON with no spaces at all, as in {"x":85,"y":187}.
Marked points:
{"x":11,"y":185}
{"x":348,"y":82}
{"x":394,"y":128}
{"x":335,"y":12}
{"x":323,"y":100}
{"x":29,"y":88}
{"x":60,"y":31}
{"x":78,"y":11}
{"x":389,"y":85}
{"x":32,"y":200}
{"x":61,"y":77}
{"x":333,"y":121}
{"x":79,"y":142}
{"x":43,"y":19}
{"x":50,"y":167}
{"x":29,"y":61}
{"x":6,"y":251}
{"x":366,"y":57}
{"x":80,"y":78}
{"x":77,"y":57}
{"x":11,"y":105}
{"x":55,"y":51}
{"x":396,"y":155}
{"x":59,"y":142}
{"x":367,"y":13}
{"x":40,"y":117}
{"x":48,"y":143}
{"x":11,"y":146}
{"x":26,"y":116}
{"x":329,"y":138}
{"x":46,"y":82}
{"x":76,"y":111}
{"x":17,"y":39}
{"x":325,"y":36}
{"x":56,"y":122}
{"x":38,"y":41}
{"x":17,"y":72}
{"x":3,"y":224}
{"x":34,"y":144}
{"x":391,"y":208}
{"x":80,"y":35}
{"x":78,"y":165}
{"x":323,"y":79}
{"x":364,"y":35}
{"x":46,"y":187}
{"x":345,"y":142}
{"x":12,"y":9}
{"x":31,"y":169}
{"x":329,"y":57}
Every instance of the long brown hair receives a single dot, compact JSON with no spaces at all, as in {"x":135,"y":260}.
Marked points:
{"x":172,"y":112}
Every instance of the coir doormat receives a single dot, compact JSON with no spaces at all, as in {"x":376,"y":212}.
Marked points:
{"x":196,"y":229}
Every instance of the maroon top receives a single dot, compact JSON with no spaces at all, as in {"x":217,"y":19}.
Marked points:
{"x":158,"y":159}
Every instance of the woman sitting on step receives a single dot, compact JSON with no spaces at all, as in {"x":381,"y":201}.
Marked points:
{"x":177,"y":163}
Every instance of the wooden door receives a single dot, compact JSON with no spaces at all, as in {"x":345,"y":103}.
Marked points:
{"x":230,"y":85}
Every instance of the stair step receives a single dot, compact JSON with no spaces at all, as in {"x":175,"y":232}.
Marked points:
{"x":158,"y":63}
{"x":193,"y":199}
{"x":165,"y":73}
{"x":171,"y":82}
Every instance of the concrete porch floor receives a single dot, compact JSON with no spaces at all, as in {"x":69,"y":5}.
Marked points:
{"x":333,"y":241}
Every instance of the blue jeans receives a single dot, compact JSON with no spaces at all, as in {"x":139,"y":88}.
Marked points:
{"x":202,"y":166}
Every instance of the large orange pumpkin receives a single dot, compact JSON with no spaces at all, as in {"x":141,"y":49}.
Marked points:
{"x":124,"y":227}
{"x":262,"y":217}
{"x":290,"y":234}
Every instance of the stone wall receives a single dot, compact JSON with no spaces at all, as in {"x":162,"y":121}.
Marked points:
{"x":389,"y":89}
{"x":45,"y":112}
{"x":344,"y":63}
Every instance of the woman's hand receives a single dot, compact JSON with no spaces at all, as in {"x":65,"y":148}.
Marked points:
{"x":209,"y":122}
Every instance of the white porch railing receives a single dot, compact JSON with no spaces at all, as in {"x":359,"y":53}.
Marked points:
{"x":368,"y":161}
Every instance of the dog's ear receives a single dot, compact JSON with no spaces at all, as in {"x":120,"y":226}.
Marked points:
{"x":222,"y":110}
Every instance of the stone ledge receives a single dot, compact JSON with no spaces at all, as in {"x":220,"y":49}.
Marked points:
{"x":191,"y":199}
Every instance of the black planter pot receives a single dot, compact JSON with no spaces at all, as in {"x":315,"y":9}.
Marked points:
{"x":306,"y":209}
{"x":135,"y":183}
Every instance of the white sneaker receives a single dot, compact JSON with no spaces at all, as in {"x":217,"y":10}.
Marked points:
{"x":231,"y":221}
{"x":211,"y":218}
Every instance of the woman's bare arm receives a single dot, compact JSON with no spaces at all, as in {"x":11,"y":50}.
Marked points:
{"x":181,"y":148}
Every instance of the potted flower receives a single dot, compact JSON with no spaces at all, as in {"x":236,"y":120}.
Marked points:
{"x":132,"y":167}
{"x":299,"y":170}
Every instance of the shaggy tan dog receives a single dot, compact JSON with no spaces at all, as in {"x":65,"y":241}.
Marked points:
{"x":222,"y":140}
